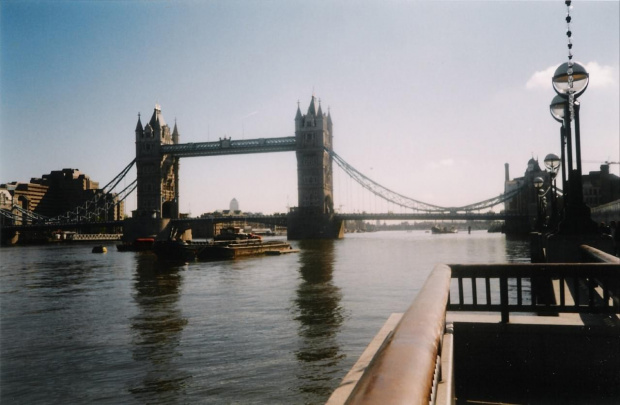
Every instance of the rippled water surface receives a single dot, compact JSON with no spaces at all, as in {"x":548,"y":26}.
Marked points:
{"x":78,"y":327}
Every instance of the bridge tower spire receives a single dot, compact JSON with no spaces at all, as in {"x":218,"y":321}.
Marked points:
{"x":314,"y":141}
{"x":158,"y":173}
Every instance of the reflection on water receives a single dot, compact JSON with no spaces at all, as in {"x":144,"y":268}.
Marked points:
{"x":517,"y":250}
{"x":320,"y":316}
{"x":158,"y":327}
{"x":121,"y":328}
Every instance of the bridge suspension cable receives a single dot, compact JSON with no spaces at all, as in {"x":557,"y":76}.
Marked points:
{"x":118,"y":177}
{"x":91,"y":210}
{"x":101,"y":203}
{"x":10,"y":214}
{"x":410,"y":203}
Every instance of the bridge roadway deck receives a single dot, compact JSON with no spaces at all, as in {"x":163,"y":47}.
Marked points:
{"x":61,"y":226}
{"x":281,"y":219}
{"x":465,"y":216}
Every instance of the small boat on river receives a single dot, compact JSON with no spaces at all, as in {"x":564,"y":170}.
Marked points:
{"x":436,"y":229}
{"x":138,"y":245}
{"x":234,"y":233}
{"x":99,"y":249}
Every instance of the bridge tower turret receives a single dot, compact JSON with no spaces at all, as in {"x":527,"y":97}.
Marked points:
{"x":313,"y":218}
{"x":157,"y":173}
{"x":313,"y":133}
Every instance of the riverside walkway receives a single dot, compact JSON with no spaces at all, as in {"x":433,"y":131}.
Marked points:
{"x":490,"y":334}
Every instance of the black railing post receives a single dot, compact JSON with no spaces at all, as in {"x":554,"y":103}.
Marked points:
{"x":474,"y":291}
{"x":487,"y":286}
{"x":503,"y":296}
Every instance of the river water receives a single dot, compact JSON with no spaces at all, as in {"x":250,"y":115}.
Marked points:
{"x":120,"y":327}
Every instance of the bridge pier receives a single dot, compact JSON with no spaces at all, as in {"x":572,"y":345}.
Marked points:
{"x":9,"y":238}
{"x":159,"y":228}
{"x":308,"y":224}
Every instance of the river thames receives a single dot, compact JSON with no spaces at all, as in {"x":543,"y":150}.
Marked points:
{"x":122,"y":328}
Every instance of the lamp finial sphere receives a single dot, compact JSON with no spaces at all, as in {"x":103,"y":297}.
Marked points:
{"x":557,"y":108}
{"x":552,"y":162}
{"x":538,"y":182}
{"x":561,"y":79}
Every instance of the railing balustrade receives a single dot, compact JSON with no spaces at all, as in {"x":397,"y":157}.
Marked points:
{"x":528,"y":288}
{"x":407,"y":367}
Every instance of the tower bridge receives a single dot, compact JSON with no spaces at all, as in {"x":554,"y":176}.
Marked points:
{"x":158,"y":151}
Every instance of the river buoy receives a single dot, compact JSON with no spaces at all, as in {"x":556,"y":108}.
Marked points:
{"x":99,"y":249}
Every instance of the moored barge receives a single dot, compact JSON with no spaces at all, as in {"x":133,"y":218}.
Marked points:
{"x":234,"y":249}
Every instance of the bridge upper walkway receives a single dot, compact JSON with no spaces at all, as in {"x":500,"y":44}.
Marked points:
{"x":227,"y":146}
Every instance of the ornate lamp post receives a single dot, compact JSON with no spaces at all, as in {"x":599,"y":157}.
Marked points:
{"x":538,"y":183}
{"x":556,"y":108}
{"x":552,"y":163}
{"x":569,"y":81}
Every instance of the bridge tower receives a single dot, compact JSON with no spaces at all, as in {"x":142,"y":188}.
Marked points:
{"x":158,"y":181}
{"x":314,"y":216}
{"x":158,"y":174}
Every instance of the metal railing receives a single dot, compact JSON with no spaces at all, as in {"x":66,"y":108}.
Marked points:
{"x":581,"y":288}
{"x":407,"y":368}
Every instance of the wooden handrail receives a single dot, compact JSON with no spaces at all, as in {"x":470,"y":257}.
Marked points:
{"x":402,"y":373}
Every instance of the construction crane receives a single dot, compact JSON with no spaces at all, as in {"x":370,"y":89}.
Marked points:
{"x":607,"y":162}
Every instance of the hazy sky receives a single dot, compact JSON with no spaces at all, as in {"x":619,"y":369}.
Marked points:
{"x":429,"y":98}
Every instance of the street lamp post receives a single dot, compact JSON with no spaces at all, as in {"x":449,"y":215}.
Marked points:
{"x":552,"y":163}
{"x":556,"y":108}
{"x":569,"y":82}
{"x":576,"y":227}
{"x":538,"y":183}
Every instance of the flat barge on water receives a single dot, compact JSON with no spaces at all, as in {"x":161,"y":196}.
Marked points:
{"x":231,"y":243}
{"x":180,"y":251}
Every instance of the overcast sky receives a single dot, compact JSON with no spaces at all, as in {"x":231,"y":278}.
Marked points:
{"x":428,"y":98}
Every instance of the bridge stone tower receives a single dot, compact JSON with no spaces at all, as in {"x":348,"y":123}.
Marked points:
{"x":158,"y":181}
{"x":158,"y":174}
{"x":314,"y":216}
